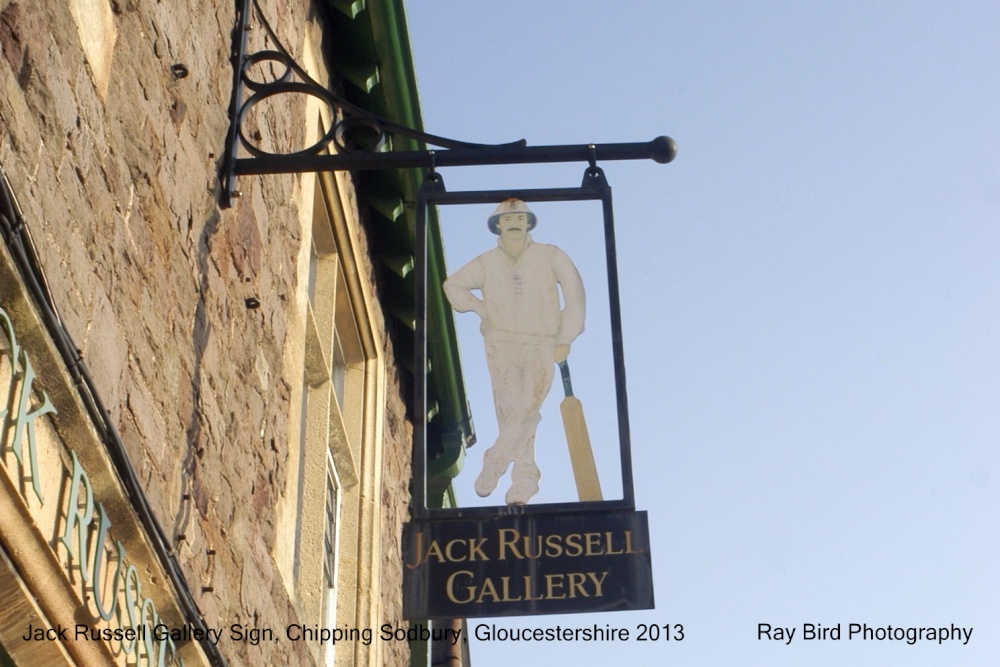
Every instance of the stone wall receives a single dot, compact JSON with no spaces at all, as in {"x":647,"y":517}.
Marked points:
{"x":115,"y":160}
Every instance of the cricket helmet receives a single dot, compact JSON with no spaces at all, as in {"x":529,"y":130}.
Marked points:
{"x":512,"y":205}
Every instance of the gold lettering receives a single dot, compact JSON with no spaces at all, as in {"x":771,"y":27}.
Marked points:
{"x":628,"y":543}
{"x":527,"y":547}
{"x":553,"y":546}
{"x":417,"y":549}
{"x":476,"y":548}
{"x":450,"y":587}
{"x":552,"y":582}
{"x":573,"y":542}
{"x":447,"y":552}
{"x":593,"y":544}
{"x":576,"y":584}
{"x":435,"y":550}
{"x":598,"y":583}
{"x":505,"y":586}
{"x":509,"y":542}
{"x":527,"y":589}
{"x":488,"y":589}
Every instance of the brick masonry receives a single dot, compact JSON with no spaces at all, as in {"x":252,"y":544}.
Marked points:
{"x":150,"y":277}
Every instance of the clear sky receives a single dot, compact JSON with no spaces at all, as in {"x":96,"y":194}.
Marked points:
{"x":810,"y":294}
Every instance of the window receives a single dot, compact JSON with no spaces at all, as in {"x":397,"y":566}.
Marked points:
{"x":338,"y":415}
{"x":331,"y":535}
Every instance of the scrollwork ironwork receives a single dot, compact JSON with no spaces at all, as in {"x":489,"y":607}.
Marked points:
{"x":351,"y":129}
{"x":283,"y":88}
{"x":356,"y":138}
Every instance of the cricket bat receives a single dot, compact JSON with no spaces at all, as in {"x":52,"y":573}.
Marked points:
{"x":581,"y":454}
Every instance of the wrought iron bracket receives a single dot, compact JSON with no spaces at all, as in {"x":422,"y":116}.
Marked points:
{"x":356,"y":138}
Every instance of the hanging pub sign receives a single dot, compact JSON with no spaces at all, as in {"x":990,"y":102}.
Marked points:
{"x":531,"y":303}
{"x":548,"y":522}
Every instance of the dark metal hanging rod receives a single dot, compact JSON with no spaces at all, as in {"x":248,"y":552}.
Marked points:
{"x":356,"y":137}
{"x":661,"y":149}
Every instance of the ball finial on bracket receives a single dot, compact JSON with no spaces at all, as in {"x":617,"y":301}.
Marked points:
{"x":663,"y":149}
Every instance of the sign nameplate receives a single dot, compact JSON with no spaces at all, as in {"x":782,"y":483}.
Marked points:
{"x":527,"y":564}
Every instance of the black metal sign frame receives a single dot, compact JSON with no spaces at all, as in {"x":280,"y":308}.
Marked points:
{"x":595,"y":188}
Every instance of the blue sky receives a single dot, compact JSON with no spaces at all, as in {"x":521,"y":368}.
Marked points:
{"x":810,"y":295}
